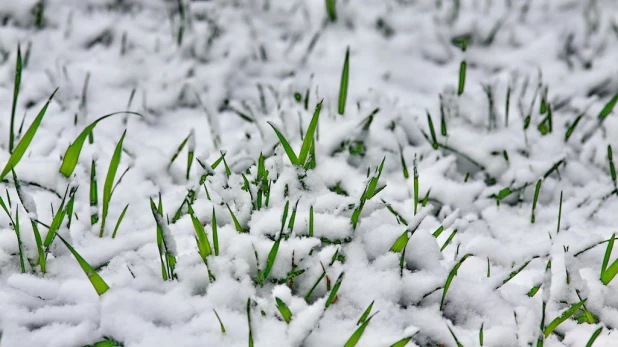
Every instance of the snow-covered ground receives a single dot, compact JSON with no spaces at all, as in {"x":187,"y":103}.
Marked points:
{"x":516,"y":173}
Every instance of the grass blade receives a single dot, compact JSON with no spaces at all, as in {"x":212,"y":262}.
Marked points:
{"x":563,"y":317}
{"x":286,"y":145}
{"x":69,"y":162}
{"x":178,"y":150}
{"x":401,"y":242}
{"x":353,"y":340}
{"x":559,"y":214}
{"x":215,"y":233}
{"x":536,"y":197}
{"x":284,"y":310}
{"x":309,"y":136}
{"x":249,"y":322}
{"x":124,"y":211}
{"x":365,"y":314}
{"x":462,"y":77}
{"x":97,"y":282}
{"x":236,"y":223}
{"x":330,"y":9}
{"x":220,"y":322}
{"x":343,"y":88}
{"x":18,"y":68}
{"x":571,"y":128}
{"x":332,"y":297}
{"x":109,"y":182}
{"x":432,"y":131}
{"x":454,"y":337}
{"x":403,"y":342}
{"x":608,"y":108}
{"x":94,"y":194}
{"x":25,"y":141}
{"x":594,"y":337}
{"x":450,"y":277}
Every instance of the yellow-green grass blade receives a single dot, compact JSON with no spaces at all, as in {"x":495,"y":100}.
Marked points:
{"x":330,"y":10}
{"x":309,"y":136}
{"x":124,"y":211}
{"x":16,"y":229}
{"x":536,"y":197}
{"x":311,"y":221}
{"x":57,"y":221}
{"x":235,"y":220}
{"x":18,"y":68}
{"x":403,"y":342}
{"x":401,"y":242}
{"x":203,"y":244}
{"x":71,"y":156}
{"x":454,"y":337}
{"x":178,"y":150}
{"x":353,"y":340}
{"x":343,"y":88}
{"x":286,"y":145}
{"x":97,"y":281}
{"x":462,"y":77}
{"x":25,"y":141}
{"x":109,"y":182}
{"x":215,"y":233}
{"x":94,"y":194}
{"x":450,"y":277}
{"x":284,"y":310}
{"x":563,"y":317}
{"x":315,"y":285}
{"x":481,"y":338}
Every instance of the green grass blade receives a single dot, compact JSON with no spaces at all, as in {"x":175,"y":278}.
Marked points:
{"x":563,"y":317}
{"x":109,"y":182}
{"x":454,"y":337}
{"x":25,"y":141}
{"x":286,"y":145}
{"x":221,"y":326}
{"x":559,"y":214}
{"x":365,"y":314}
{"x":481,"y":334}
{"x":432,"y":131}
{"x":315,"y":285}
{"x":343,"y":88}
{"x":311,"y":221}
{"x":401,"y":242}
{"x":462,"y":77}
{"x":16,"y":229}
{"x":594,"y":337}
{"x":69,"y":162}
{"x":124,"y":211}
{"x":249,"y":322}
{"x":203,"y":244}
{"x":571,"y":128}
{"x":608,"y":108}
{"x":416,"y":177}
{"x":404,"y":167}
{"x":215,"y":233}
{"x":403,"y":342}
{"x":330,"y":10}
{"x":18,"y":68}
{"x":536,"y":197}
{"x":97,"y":282}
{"x":284,"y":310}
{"x":612,"y":168}
{"x":450,"y":277}
{"x":353,"y":340}
{"x":270,"y":261}
{"x":309,"y":136}
{"x":94,"y":194}
{"x":236,"y":223}
{"x":178,"y":150}
{"x":57,"y":221}
{"x":333,"y":292}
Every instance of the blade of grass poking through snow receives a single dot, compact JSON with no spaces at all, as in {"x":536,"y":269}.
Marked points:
{"x":594,"y":337}
{"x":124,"y":211}
{"x":454,"y":337}
{"x":94,"y":194}
{"x":215,"y":233}
{"x":442,"y":119}
{"x":178,"y":150}
{"x":249,"y":322}
{"x":97,"y":282}
{"x":236,"y":223}
{"x":284,"y":310}
{"x":507,"y":106}
{"x":450,"y":277}
{"x":272,"y":255}
{"x":332,"y":297}
{"x":608,"y":108}
{"x":286,"y":145}
{"x":30,"y":206}
{"x":365,"y":314}
{"x":563,"y":317}
{"x":353,"y":340}
{"x":481,"y":334}
{"x":25,"y":141}
{"x":202,"y":240}
{"x":330,"y":10}
{"x":462,"y":77}
{"x":559,"y":214}
{"x":165,"y":243}
{"x":191,"y":152}
{"x":416,"y":185}
{"x":308,"y":141}
{"x":18,"y":67}
{"x":109,"y":182}
{"x":612,"y":168}
{"x":315,"y":285}
{"x":57,"y":221}
{"x":404,"y":167}
{"x":343,"y":88}
{"x":536,"y":197}
{"x":403,"y":342}
{"x":432,"y":131}
{"x":221,"y":326}
{"x":69,"y":162}
{"x":310,"y":234}
{"x":608,"y":274}
{"x":15,"y":227}
{"x":571,"y":128}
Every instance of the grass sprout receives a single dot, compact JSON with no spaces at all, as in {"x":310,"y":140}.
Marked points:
{"x":18,"y":69}
{"x":109,"y":182}
{"x":97,"y":281}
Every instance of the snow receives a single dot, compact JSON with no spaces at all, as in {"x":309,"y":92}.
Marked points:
{"x":251,"y":58}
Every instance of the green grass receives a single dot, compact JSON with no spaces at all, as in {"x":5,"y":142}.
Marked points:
{"x":449,"y":279}
{"x":97,"y":282}
{"x":25,"y":141}
{"x":343,"y":88}
{"x":562,"y":318}
{"x":119,"y":221}
{"x":18,"y":70}
{"x":168,"y":259}
{"x":94,"y":194}
{"x":536,"y":197}
{"x":285,"y":312}
{"x":15,"y":227}
{"x":462,"y":77}
{"x":331,"y":10}
{"x":221,"y":326}
{"x":109,"y":182}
